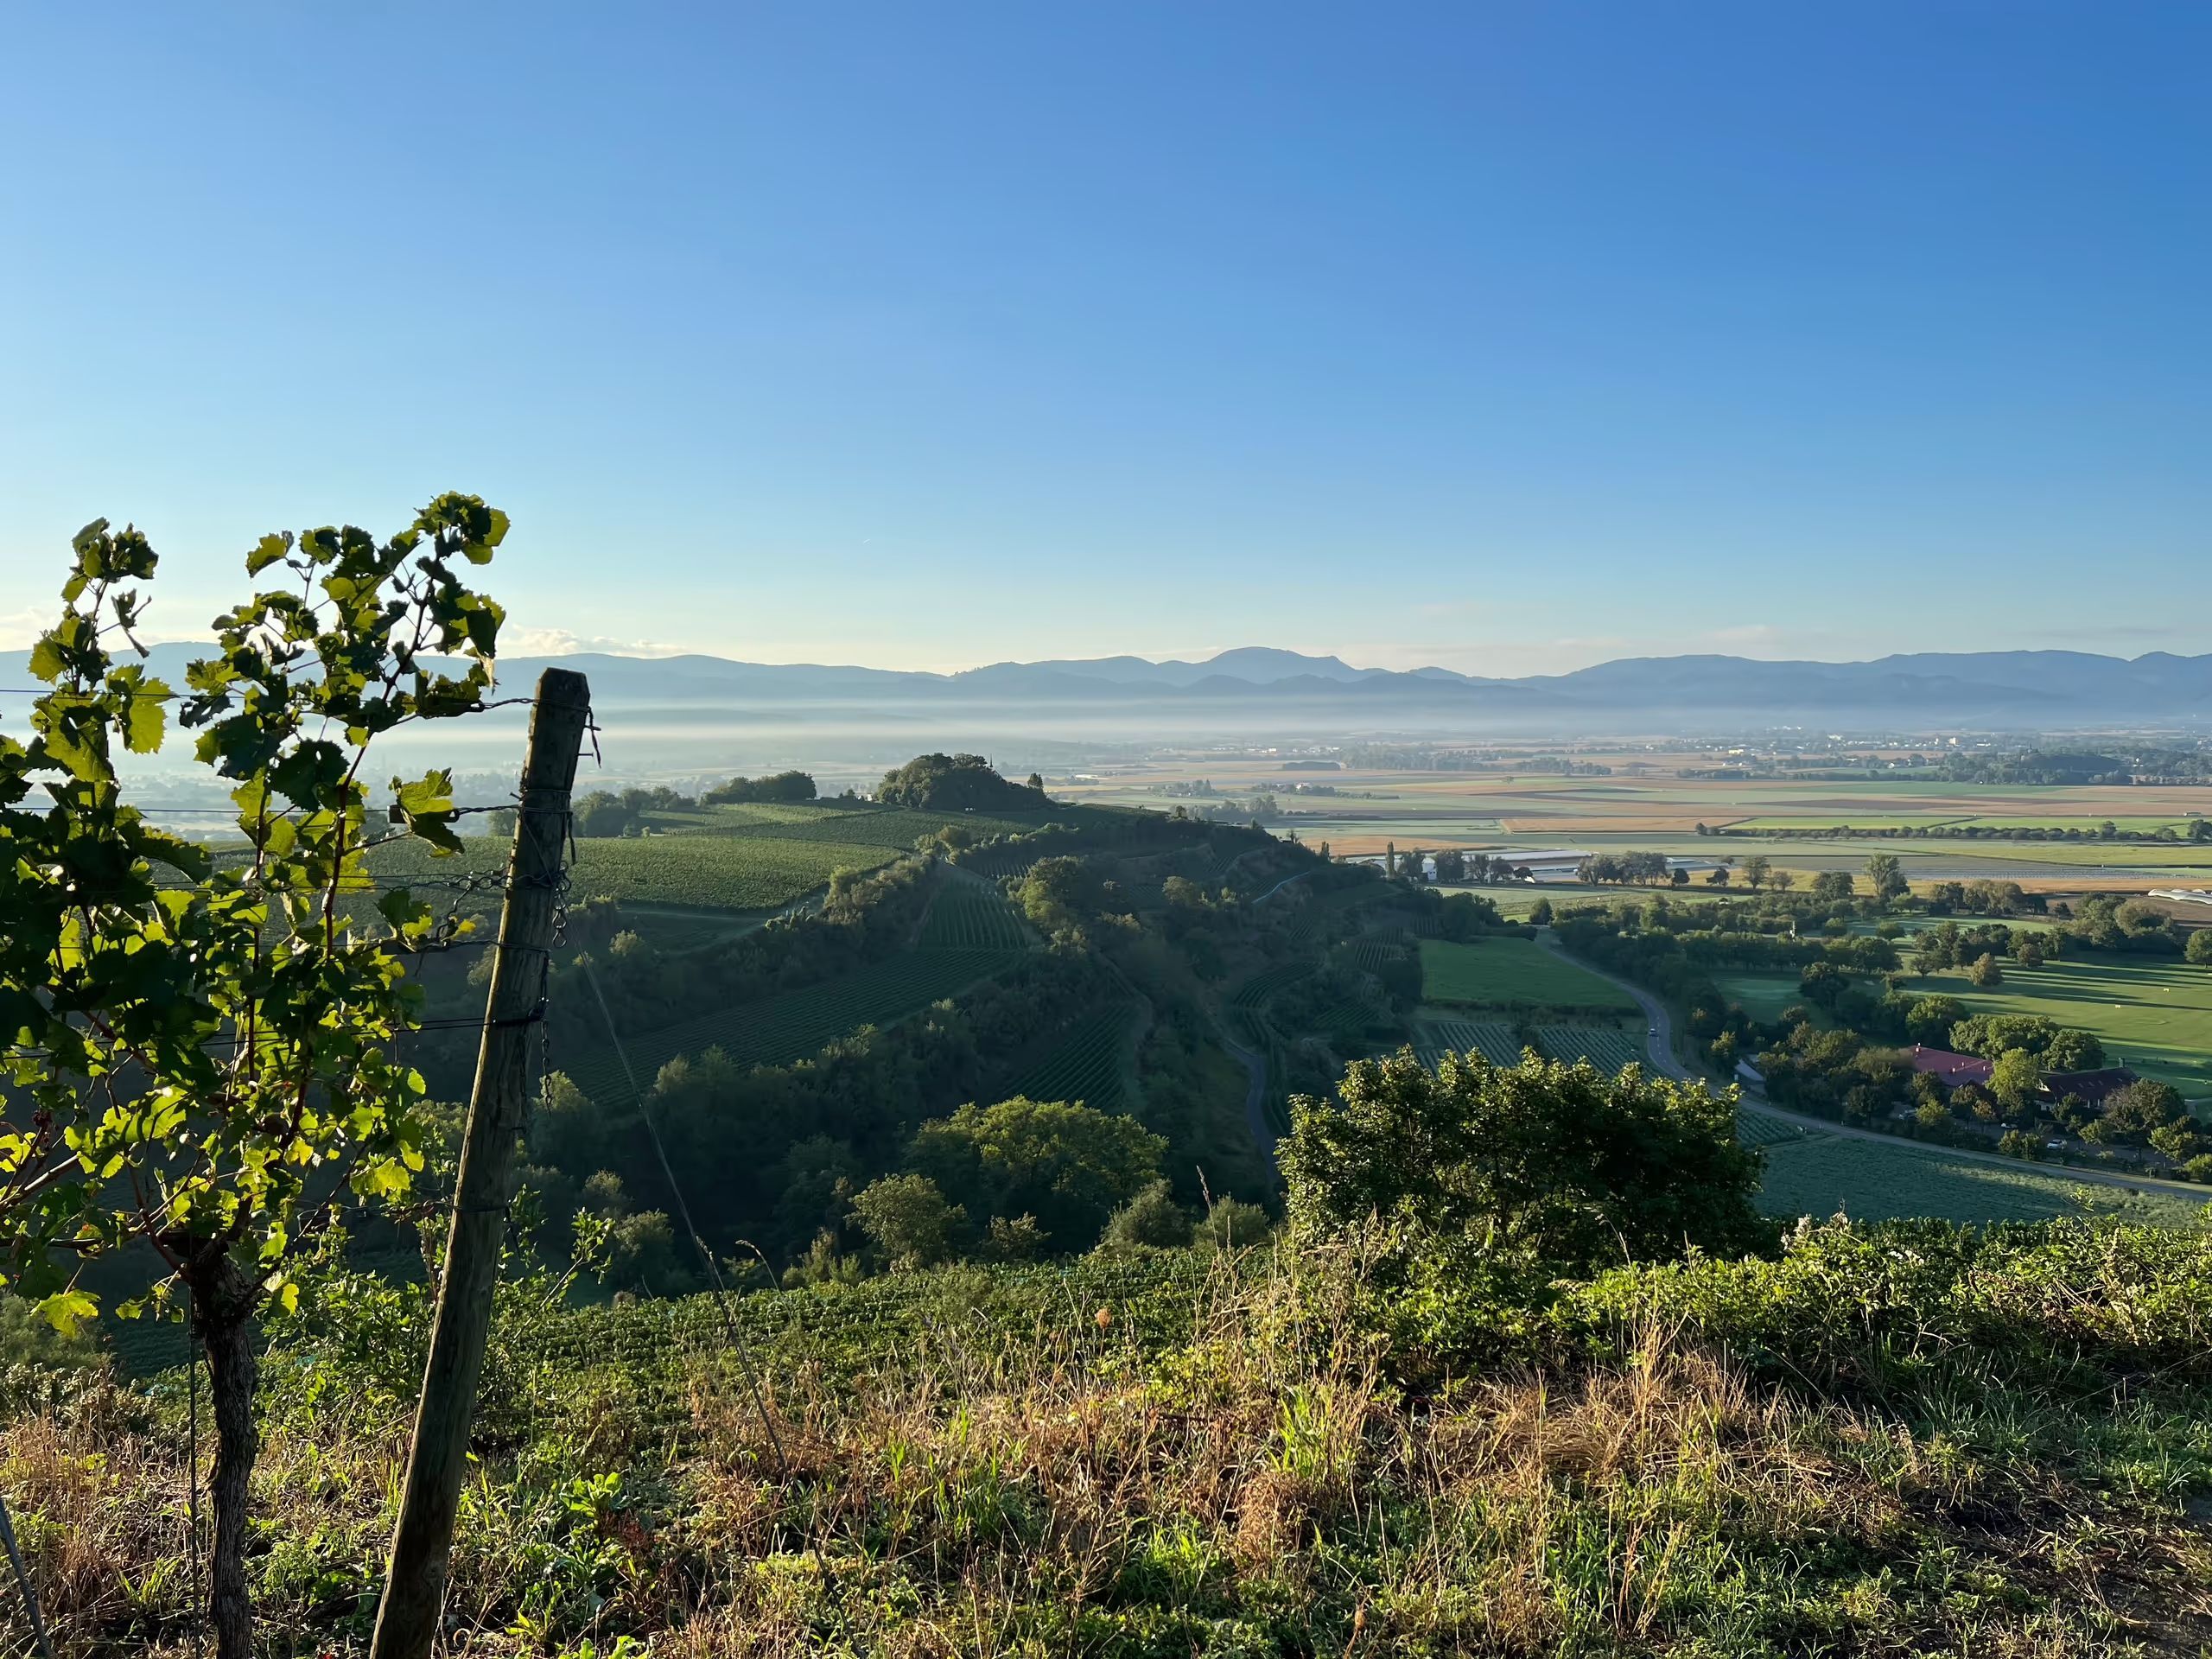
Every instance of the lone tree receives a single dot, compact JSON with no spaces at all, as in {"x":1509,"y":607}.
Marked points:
{"x":201,"y":1037}
{"x":1886,"y":876}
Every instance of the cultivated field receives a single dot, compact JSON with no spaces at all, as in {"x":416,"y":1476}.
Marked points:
{"x":777,"y":1029}
{"x":970,"y":915}
{"x":1607,"y":1047}
{"x":1507,"y":972}
{"x":1443,"y":1034}
{"x":755,"y":872}
{"x":1645,"y":806}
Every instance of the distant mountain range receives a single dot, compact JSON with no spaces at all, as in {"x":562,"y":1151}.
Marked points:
{"x":2018,"y":690}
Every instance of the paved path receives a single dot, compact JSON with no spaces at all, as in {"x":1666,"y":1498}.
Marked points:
{"x":1659,"y":1039}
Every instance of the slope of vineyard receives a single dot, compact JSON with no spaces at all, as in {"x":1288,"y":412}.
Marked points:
{"x":929,"y":1453}
{"x":967,"y":915}
{"x":1493,"y":1040}
{"x":777,"y":1029}
{"x":1088,"y":1064}
{"x":710,"y":871}
{"x":1607,"y":1047}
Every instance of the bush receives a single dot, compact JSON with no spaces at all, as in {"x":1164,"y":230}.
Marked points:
{"x":1576,"y":1166}
{"x":1232,"y":1224}
{"x":1151,"y":1220}
{"x":1455,"y":1201}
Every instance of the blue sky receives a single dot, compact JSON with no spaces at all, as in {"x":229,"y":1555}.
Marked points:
{"x":1507,"y":337}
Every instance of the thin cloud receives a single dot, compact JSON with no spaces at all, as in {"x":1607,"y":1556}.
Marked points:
{"x":20,"y":630}
{"x":560,"y":642}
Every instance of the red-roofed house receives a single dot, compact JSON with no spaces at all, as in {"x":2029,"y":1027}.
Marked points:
{"x":1951,"y":1070}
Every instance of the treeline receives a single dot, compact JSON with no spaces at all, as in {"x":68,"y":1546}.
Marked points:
{"x":792,"y":785}
{"x":1371,"y":757}
{"x":2198,"y":831}
{"x":2147,"y":764}
{"x":606,"y":813}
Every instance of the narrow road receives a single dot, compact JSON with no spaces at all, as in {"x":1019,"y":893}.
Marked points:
{"x":1255,"y":1094}
{"x":1659,"y":1041}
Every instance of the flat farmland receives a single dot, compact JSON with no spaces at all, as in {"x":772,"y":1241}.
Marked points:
{"x":1501,"y":972}
{"x":1645,"y":806}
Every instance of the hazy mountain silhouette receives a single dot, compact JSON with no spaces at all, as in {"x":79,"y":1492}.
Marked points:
{"x":2019,"y":688}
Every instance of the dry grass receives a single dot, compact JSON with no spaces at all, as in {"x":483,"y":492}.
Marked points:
{"x":1255,"y":1489}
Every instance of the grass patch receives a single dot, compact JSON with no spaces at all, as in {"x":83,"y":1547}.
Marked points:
{"x":1818,"y":1174}
{"x":1764,"y":995}
{"x":1510,"y":973}
{"x":2152,"y":1013}
{"x":1150,"y":1456}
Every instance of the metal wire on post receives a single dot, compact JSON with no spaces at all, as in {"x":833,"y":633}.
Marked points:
{"x":730,"y":1327}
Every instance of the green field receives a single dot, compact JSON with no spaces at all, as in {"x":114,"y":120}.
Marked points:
{"x":2152,"y":1013}
{"x":1764,"y":995}
{"x":1816,"y":1174}
{"x":1502,"y":972}
{"x":780,"y":1029}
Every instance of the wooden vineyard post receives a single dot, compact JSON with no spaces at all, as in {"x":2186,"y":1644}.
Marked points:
{"x":414,"y":1581}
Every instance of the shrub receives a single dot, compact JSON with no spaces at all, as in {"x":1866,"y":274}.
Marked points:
{"x":1232,"y":1224}
{"x":1151,"y":1220}
{"x":1452,"y":1201}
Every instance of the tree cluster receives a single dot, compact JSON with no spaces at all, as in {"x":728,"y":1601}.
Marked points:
{"x":958,"y":783}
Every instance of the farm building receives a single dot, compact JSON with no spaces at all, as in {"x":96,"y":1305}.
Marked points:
{"x":2093,"y":1087}
{"x":1951,"y":1070}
